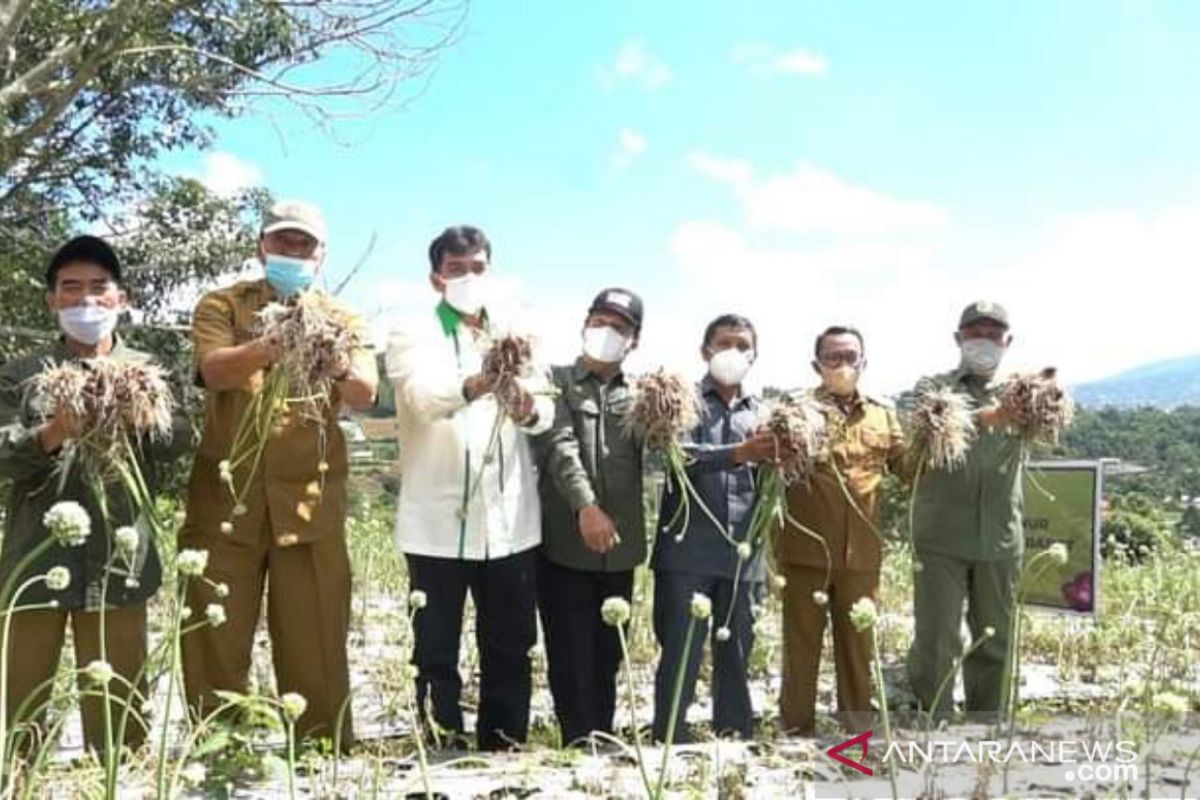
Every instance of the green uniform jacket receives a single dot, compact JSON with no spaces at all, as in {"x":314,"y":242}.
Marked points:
{"x":35,"y":487}
{"x":973,"y":513}
{"x":589,"y":457}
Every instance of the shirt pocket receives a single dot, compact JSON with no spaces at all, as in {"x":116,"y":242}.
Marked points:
{"x":875,"y":446}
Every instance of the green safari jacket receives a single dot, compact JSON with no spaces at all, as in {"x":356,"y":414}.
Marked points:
{"x":35,"y":479}
{"x":588,"y":457}
{"x":973,"y":513}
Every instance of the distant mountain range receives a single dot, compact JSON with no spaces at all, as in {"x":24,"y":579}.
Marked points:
{"x":1165,"y":384}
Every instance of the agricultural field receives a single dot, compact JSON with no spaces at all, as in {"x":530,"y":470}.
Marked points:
{"x":1134,"y":675}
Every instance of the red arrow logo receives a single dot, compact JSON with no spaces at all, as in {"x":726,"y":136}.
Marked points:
{"x":864,"y":739}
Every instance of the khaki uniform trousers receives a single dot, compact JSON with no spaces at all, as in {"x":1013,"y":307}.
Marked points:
{"x":308,"y":615}
{"x":804,"y":624}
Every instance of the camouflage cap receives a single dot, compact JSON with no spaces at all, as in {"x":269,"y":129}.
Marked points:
{"x":983,"y":310}
{"x":295,"y":215}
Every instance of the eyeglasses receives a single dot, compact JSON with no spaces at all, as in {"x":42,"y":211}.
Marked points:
{"x":831,"y":360}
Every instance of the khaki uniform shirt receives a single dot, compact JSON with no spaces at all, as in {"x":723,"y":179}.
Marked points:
{"x":285,"y":492}
{"x":842,"y":500}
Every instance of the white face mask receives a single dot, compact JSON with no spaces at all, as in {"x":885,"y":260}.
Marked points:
{"x":981,"y":356}
{"x":728,"y":367}
{"x":467,"y":294}
{"x":605,"y":344}
{"x":89,"y":324}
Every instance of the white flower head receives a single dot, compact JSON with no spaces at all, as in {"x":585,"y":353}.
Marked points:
{"x":192,"y":563}
{"x":185,"y":613}
{"x":227,"y":528}
{"x":820,"y":598}
{"x":1058,"y":553}
{"x":1171,"y":704}
{"x":99,"y":672}
{"x":215,"y":613}
{"x":989,"y":632}
{"x":221,"y":590}
{"x":294,"y":705}
{"x":615,"y":611}
{"x":863,"y":614}
{"x":701,"y":606}
{"x":195,"y":774}
{"x":744,"y":551}
{"x":723,"y":634}
{"x":132,"y":582}
{"x":417,"y":600}
{"x":58,"y":579}
{"x":240,"y":510}
{"x":780,"y":582}
{"x":127,"y":539}
{"x":68,"y":522}
{"x":323,"y":467}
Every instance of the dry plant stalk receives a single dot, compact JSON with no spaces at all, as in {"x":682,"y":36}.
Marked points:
{"x":665,"y":408}
{"x":942,"y":429}
{"x":112,"y":402}
{"x":317,"y":337}
{"x":801,"y":433}
{"x":1037,"y":406}
{"x":506,"y":362}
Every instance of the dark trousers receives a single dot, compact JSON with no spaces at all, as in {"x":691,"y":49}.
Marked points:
{"x":504,"y":593}
{"x":673,"y":592}
{"x":584,"y":653}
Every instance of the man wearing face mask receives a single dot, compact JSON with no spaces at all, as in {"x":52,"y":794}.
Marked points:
{"x":968,"y":535}
{"x":84,"y":294}
{"x":468,"y":518}
{"x":593,"y":522}
{"x":723,"y":447}
{"x":284,"y":537}
{"x":841,"y":503}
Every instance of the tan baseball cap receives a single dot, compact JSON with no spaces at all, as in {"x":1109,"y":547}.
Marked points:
{"x":295,"y":215}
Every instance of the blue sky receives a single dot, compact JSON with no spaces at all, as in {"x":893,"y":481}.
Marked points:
{"x":803,"y":163}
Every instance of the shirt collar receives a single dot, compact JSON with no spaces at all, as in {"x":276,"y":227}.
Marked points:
{"x":822,"y":394}
{"x":581,"y":372}
{"x":451,"y":318}
{"x":708,"y":388}
{"x":62,"y":352}
{"x":448,"y":317}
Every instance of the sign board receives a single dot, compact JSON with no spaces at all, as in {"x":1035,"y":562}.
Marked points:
{"x":1063,"y":506}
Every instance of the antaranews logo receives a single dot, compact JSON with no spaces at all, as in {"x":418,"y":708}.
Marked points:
{"x":863,"y":739}
{"x":1084,"y":761}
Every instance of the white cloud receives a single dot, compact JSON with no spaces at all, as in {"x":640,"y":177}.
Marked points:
{"x":635,"y":63}
{"x":1107,"y":290}
{"x":226,"y":174}
{"x":811,"y":199}
{"x":764,"y":61}
{"x":630,"y":145}
{"x":737,"y":171}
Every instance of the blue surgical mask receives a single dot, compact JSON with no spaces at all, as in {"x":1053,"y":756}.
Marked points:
{"x":89,"y":323}
{"x":289,"y":276}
